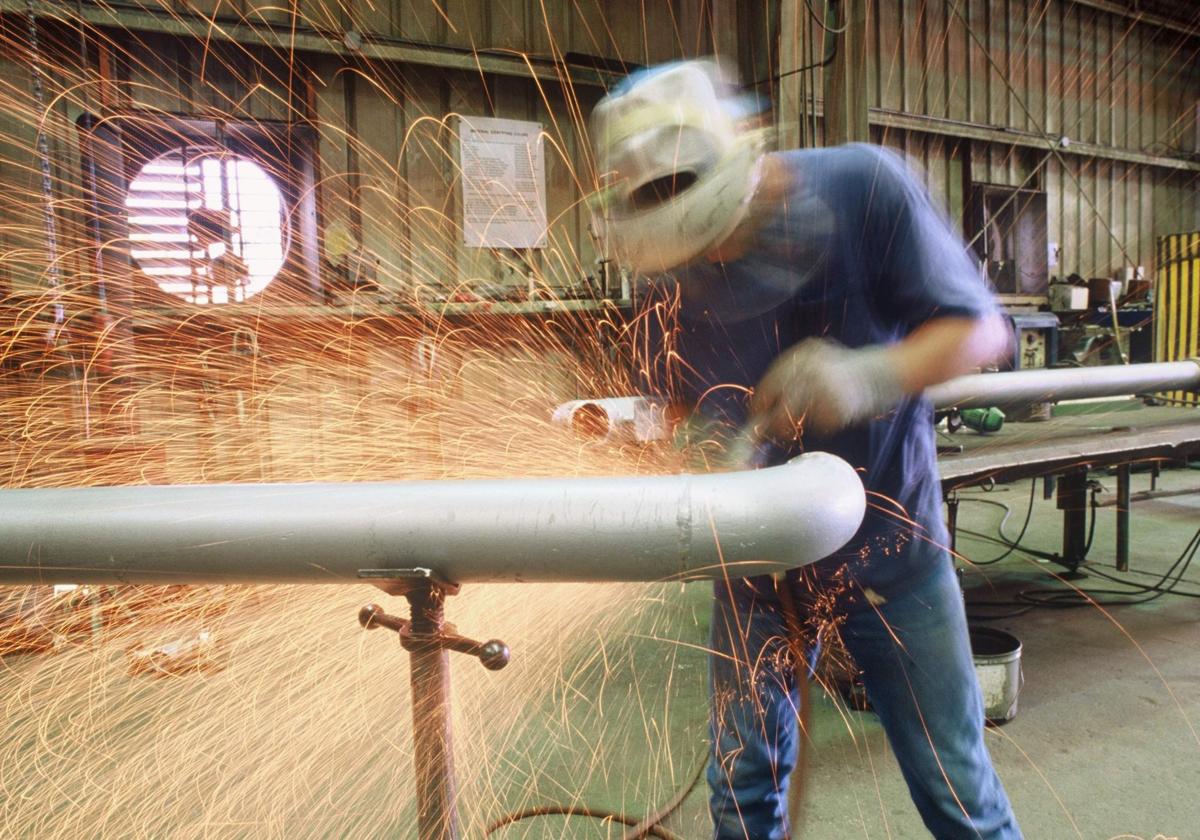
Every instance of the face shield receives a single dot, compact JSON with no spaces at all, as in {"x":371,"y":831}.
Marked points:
{"x":678,"y":165}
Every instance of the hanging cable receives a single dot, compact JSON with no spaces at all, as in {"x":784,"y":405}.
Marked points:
{"x":53,"y":276}
{"x":830,"y":54}
{"x":819,"y":20}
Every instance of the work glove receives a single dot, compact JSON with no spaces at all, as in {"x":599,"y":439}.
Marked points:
{"x":819,"y":386}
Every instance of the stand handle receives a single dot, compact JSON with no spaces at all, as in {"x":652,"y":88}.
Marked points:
{"x":492,"y":654}
{"x":372,"y":617}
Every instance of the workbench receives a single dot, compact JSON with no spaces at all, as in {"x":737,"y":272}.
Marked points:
{"x":1063,"y":450}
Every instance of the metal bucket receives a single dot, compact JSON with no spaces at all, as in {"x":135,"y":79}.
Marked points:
{"x":998,"y":667}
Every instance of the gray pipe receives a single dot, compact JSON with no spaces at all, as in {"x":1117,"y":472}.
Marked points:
{"x":574,"y":529}
{"x":1023,"y":387}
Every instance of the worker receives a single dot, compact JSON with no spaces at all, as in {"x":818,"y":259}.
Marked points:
{"x":816,"y":293}
{"x":224,"y":272}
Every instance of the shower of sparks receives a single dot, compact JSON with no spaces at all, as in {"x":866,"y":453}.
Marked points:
{"x":263,"y":711}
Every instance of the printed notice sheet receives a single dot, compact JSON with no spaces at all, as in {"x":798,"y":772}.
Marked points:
{"x":503,"y":183}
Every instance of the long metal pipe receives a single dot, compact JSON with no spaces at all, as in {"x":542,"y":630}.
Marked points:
{"x":573,"y":529}
{"x":1023,"y":387}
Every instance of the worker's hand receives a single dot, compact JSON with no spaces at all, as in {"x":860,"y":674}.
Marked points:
{"x":819,"y":386}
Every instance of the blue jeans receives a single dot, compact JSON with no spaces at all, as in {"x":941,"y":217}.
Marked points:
{"x":923,"y":689}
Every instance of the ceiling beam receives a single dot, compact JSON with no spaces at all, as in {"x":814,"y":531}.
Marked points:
{"x":1027,"y":139}
{"x":303,"y":39}
{"x":1124,"y":11}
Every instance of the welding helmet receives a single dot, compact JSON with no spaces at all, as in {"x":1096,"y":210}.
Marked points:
{"x":678,"y":166}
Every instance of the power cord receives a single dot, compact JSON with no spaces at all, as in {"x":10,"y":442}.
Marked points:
{"x":641,"y":827}
{"x":1012,"y":544}
{"x":1015,"y":545}
{"x":1135,"y":593}
{"x":1025,"y":601}
{"x":1165,"y":585}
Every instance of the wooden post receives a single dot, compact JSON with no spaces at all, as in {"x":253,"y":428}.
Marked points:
{"x":846,"y":76}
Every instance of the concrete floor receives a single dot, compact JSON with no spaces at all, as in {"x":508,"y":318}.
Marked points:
{"x":1106,"y":742}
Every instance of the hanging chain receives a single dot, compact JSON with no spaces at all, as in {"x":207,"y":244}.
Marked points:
{"x":53,"y":274}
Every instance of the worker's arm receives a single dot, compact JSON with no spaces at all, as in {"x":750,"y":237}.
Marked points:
{"x":923,"y":285}
{"x":944,"y":348}
{"x":821,"y":386}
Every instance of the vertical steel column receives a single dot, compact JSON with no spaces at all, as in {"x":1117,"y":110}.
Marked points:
{"x":952,"y":521}
{"x":1123,"y":502}
{"x":1072,"y":501}
{"x":433,"y":759}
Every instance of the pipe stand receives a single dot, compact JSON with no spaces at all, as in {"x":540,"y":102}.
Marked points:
{"x":433,"y":755}
{"x":429,"y":639}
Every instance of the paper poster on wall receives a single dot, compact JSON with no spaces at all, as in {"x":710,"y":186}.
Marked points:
{"x":503,"y":183}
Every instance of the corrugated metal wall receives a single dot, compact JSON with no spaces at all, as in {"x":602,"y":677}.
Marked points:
{"x":1052,"y":68}
{"x":387,"y":150}
{"x":943,"y":71}
{"x":22,"y":239}
{"x":1177,"y":299}
{"x":1031,"y":67}
{"x":1102,"y":214}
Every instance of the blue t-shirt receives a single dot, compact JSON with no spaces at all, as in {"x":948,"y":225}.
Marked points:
{"x":859,"y":254}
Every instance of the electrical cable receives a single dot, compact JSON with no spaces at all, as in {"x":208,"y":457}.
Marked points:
{"x":1012,"y":544}
{"x":829,"y":30}
{"x":1032,"y":552}
{"x":1166,"y":584}
{"x":643,"y":828}
{"x":1192,"y":403}
{"x":1016,"y":545}
{"x":640,"y":827}
{"x":1093,"y":568}
{"x":1087,"y":546}
{"x":1026,"y":600}
{"x":1013,"y":608}
{"x":797,"y":782}
{"x":830,"y":54}
{"x":580,"y":811}
{"x":1084,"y":597}
{"x":1172,"y":589}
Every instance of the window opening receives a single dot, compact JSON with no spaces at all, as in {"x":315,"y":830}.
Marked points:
{"x":207,"y":225}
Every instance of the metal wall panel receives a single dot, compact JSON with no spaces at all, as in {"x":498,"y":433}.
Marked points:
{"x":1102,"y":214}
{"x":387,"y":144}
{"x":1053,"y":68}
{"x":640,"y":31}
{"x":1046,"y":66}
{"x":1177,"y":294}
{"x":21,"y":233}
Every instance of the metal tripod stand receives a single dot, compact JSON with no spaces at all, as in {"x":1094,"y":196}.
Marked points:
{"x":428,"y":639}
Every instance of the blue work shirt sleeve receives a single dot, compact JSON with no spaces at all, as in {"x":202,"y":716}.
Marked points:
{"x":918,"y":267}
